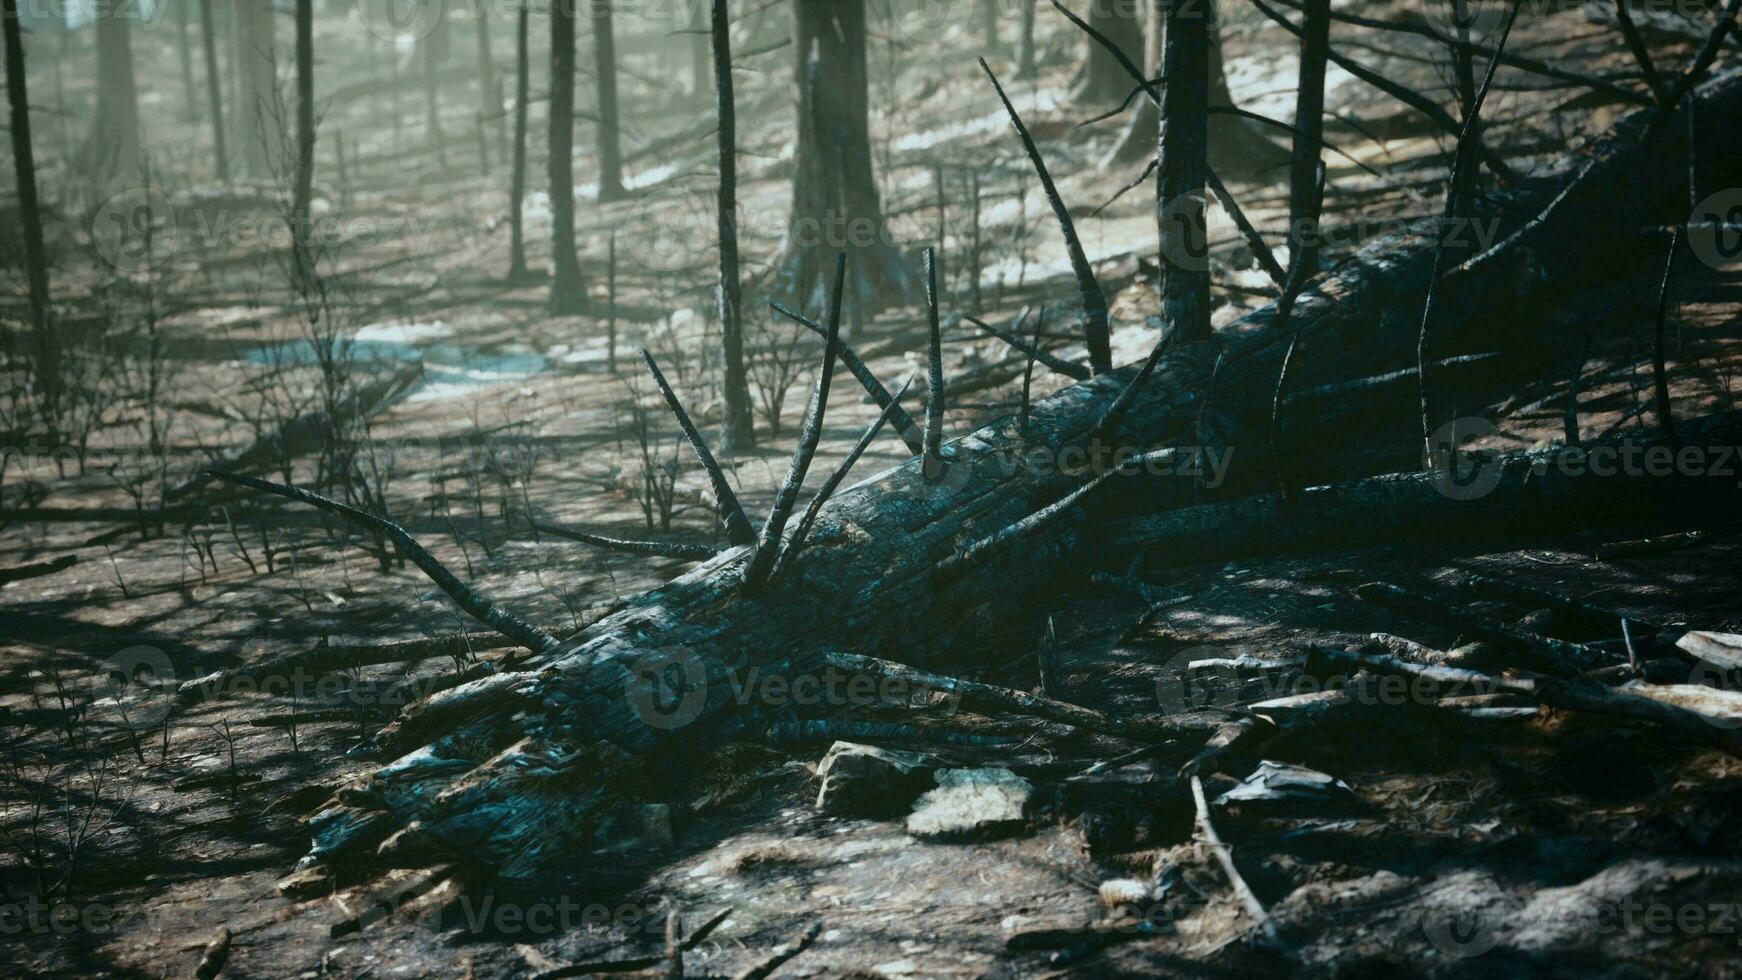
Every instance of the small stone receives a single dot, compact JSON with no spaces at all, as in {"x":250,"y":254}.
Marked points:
{"x":971,"y":803}
{"x":867,"y":781}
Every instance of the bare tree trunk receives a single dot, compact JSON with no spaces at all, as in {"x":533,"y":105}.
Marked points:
{"x":254,"y":43}
{"x":115,"y":149}
{"x":835,"y":203}
{"x":517,"y":182}
{"x":29,"y":211}
{"x":740,"y":429}
{"x":214,"y":98}
{"x":605,"y":77}
{"x":1183,"y":151}
{"x":1025,"y":60}
{"x":1309,"y":126}
{"x":489,"y":106}
{"x":305,"y":140}
{"x":701,"y":79}
{"x":989,"y":26}
{"x":190,"y":98}
{"x":1101,"y":78}
{"x":1238,"y":146}
{"x":1464,"y":72}
{"x":568,"y":294}
{"x":1137,"y":142}
{"x":433,"y":49}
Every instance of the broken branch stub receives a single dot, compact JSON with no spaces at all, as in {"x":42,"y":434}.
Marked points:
{"x":904,"y":424}
{"x":738,"y":529}
{"x":768,"y":545}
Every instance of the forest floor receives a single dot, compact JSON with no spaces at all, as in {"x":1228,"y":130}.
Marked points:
{"x":1544,"y":844}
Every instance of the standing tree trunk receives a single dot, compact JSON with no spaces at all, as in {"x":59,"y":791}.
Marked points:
{"x":47,"y":367}
{"x":305,"y":143}
{"x":568,"y":294}
{"x":489,"y":106}
{"x":1025,"y":60}
{"x":214,"y":98}
{"x":517,"y":181}
{"x":253,"y":45}
{"x":740,"y":431}
{"x":701,"y":79}
{"x":1309,"y":125}
{"x":1101,"y":78}
{"x":835,"y":203}
{"x":1238,"y":146}
{"x":989,"y":26}
{"x":433,"y":47}
{"x":190,"y":109}
{"x":605,"y":72}
{"x":115,"y":147}
{"x":1183,"y":151}
{"x":1137,"y":142}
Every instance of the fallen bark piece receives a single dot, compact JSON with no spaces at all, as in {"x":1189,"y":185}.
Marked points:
{"x":1720,"y":708}
{"x":1638,"y":547}
{"x":971,"y":804}
{"x":867,"y":781}
{"x":217,"y":954}
{"x":1281,"y":782}
{"x":1721,"y":650}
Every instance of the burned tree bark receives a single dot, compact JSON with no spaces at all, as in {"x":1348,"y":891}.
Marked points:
{"x":1182,"y":173}
{"x":512,"y":770}
{"x":568,"y":294}
{"x":740,"y":432}
{"x":605,"y":82}
{"x":214,"y":100}
{"x":1304,"y":203}
{"x":835,"y":202}
{"x":47,"y":340}
{"x":115,"y":147}
{"x":517,"y":181}
{"x":302,"y":257}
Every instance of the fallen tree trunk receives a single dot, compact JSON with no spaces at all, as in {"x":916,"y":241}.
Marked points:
{"x":513,"y":770}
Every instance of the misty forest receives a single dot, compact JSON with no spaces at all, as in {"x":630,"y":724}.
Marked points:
{"x":870,"y":488}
